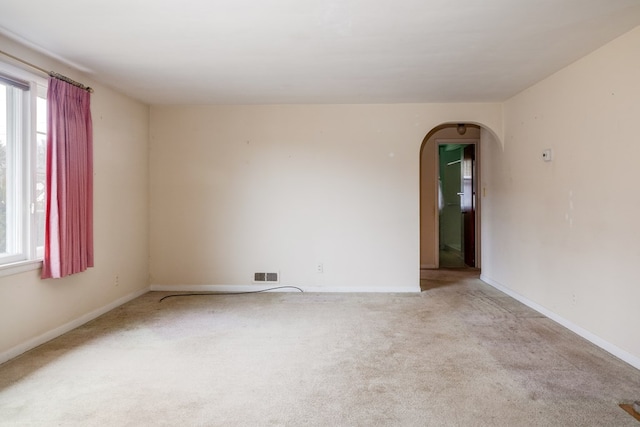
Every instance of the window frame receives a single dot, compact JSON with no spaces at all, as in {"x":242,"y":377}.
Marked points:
{"x":30,"y":256}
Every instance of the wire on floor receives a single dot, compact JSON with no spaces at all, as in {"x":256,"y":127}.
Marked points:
{"x":228,"y":293}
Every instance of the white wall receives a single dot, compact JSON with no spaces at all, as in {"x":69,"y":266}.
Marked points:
{"x":564,"y":235}
{"x":30,"y":308}
{"x":241,"y":189}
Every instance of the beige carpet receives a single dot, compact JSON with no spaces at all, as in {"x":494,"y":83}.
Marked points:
{"x":458,"y":354}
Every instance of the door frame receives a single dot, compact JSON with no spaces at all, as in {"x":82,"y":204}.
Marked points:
{"x":477,"y":185}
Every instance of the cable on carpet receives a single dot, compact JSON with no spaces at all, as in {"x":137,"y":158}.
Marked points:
{"x":228,"y":293}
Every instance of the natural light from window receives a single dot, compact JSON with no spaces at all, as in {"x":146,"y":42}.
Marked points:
{"x":22,"y":171}
{"x":3,"y":169}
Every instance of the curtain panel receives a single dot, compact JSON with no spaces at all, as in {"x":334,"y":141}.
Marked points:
{"x":69,"y":216}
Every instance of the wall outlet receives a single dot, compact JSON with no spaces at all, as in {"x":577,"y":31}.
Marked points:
{"x":116,"y":280}
{"x":547,"y":155}
{"x":320,"y":268}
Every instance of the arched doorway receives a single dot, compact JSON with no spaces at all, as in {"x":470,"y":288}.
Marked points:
{"x":449,"y":197}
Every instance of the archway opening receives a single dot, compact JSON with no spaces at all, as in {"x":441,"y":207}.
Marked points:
{"x":449,"y":202}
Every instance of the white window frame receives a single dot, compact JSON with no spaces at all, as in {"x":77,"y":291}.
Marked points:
{"x":30,"y":256}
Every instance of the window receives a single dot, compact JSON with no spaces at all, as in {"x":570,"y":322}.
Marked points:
{"x":23,"y":137}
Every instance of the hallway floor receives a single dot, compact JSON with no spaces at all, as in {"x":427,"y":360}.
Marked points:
{"x":451,"y":259}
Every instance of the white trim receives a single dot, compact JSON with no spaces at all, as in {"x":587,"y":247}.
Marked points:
{"x":60,"y":330}
{"x":19,"y":71}
{"x":589,"y":336}
{"x":20,"y":267}
{"x":252,"y":288}
{"x":365,"y":290}
{"x":26,"y":257}
{"x":219,"y":288}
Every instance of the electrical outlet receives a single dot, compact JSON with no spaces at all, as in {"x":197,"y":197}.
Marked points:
{"x":320,"y":268}
{"x":116,"y":280}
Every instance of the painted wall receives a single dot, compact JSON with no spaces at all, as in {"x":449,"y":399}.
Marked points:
{"x":565,"y":234}
{"x":30,"y":307}
{"x":241,"y":189}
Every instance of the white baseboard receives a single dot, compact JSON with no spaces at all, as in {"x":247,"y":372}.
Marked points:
{"x":589,"y":336}
{"x":253,"y":288}
{"x":363,"y":290}
{"x":221,"y":288}
{"x":54,"y":333}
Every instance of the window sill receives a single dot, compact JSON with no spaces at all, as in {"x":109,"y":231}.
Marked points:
{"x":20,"y":267}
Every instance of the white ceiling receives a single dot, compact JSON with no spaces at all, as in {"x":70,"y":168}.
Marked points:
{"x":318,"y":51}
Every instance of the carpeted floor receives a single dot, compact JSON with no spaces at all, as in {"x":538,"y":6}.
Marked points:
{"x":458,"y":354}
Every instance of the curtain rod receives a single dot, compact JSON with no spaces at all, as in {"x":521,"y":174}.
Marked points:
{"x":49,"y":73}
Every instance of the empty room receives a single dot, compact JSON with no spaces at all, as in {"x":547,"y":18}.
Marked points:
{"x":327,"y":213}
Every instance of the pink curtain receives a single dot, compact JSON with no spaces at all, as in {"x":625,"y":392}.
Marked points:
{"x":69,"y":220}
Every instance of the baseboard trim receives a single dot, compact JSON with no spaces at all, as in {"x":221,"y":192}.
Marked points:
{"x":589,"y":336}
{"x":253,"y":288}
{"x":363,"y":290}
{"x":60,"y":330}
